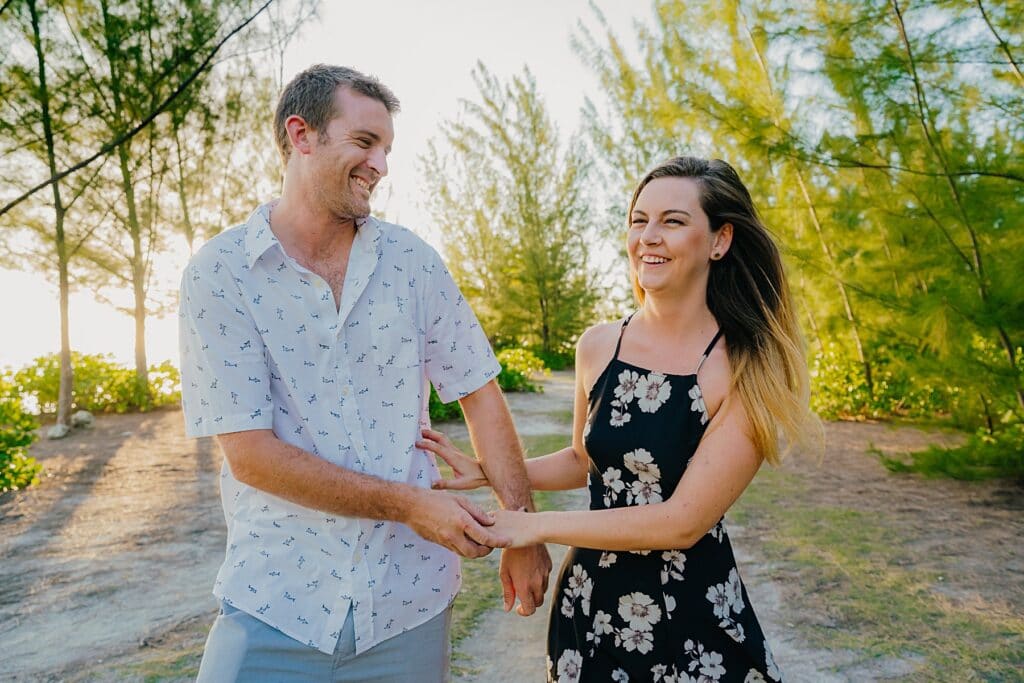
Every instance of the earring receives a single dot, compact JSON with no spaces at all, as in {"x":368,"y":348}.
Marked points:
{"x":716,"y":256}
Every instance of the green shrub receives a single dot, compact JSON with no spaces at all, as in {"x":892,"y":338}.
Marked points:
{"x":557,"y":360}
{"x":984,"y":456}
{"x":17,"y":432}
{"x":442,"y":411}
{"x":518,"y":365}
{"x":100,"y":386}
{"x":839,"y":390}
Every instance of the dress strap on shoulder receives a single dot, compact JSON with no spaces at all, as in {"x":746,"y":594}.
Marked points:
{"x":622,"y":329}
{"x":707,"y":351}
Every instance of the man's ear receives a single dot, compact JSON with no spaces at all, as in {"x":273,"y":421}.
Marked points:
{"x":300,"y":134}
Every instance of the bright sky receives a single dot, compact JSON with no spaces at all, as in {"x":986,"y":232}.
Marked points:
{"x":425,"y":52}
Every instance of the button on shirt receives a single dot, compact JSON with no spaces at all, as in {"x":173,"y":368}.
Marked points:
{"x":264,"y":347}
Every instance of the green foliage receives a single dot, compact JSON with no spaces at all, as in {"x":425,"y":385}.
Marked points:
{"x":17,"y":432}
{"x":101,"y":385}
{"x":840,"y":391}
{"x":512,"y":199}
{"x":883,"y":149}
{"x":518,"y":365}
{"x":442,"y":411}
{"x":984,"y":456}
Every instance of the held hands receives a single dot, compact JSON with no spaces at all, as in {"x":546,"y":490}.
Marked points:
{"x":454,"y":522}
{"x":524,"y":568}
{"x":468,"y":473}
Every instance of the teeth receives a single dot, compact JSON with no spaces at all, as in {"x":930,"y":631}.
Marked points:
{"x":654,"y":259}
{"x":362,"y":183}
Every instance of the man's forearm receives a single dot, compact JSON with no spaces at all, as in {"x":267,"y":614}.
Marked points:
{"x":263,"y":461}
{"x":497,"y":446}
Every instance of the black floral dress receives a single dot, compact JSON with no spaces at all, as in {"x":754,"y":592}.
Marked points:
{"x":669,"y":616}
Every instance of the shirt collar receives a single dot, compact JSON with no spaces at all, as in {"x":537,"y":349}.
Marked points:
{"x":259,"y":237}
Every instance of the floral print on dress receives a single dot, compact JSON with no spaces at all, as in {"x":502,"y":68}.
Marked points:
{"x":650,"y":391}
{"x":697,"y":404}
{"x":665,"y":615}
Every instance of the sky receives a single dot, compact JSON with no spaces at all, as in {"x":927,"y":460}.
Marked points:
{"x":425,"y":52}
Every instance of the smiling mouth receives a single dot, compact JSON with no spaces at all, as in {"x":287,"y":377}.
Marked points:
{"x":649,"y":260}
{"x":361,"y":184}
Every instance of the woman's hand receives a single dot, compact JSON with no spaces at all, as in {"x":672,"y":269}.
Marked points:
{"x":468,"y":473}
{"x":520,"y":526}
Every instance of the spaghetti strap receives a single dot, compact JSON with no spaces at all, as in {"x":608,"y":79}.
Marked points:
{"x":707,"y":351}
{"x":618,"y":344}
{"x":602,"y":380}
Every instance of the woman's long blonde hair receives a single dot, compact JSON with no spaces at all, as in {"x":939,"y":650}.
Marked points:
{"x":749,"y":297}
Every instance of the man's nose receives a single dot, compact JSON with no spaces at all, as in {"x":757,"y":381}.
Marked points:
{"x":378,"y":161}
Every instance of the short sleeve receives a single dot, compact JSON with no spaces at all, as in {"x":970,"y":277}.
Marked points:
{"x":459,"y":359}
{"x":225,"y":380}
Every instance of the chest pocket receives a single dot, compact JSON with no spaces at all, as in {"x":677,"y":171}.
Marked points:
{"x":394,"y":340}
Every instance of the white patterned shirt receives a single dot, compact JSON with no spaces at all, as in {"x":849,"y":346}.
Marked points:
{"x":263,"y":347}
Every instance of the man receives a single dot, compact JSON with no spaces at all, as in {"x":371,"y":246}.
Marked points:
{"x":308,"y":336}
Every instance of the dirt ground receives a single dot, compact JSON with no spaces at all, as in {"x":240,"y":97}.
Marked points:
{"x":113,"y":555}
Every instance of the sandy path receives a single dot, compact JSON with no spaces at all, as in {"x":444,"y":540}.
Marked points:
{"x":121,"y":541}
{"x":120,"y":544}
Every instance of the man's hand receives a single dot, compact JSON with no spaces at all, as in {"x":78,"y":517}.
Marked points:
{"x":524,"y":574}
{"x":454,"y":522}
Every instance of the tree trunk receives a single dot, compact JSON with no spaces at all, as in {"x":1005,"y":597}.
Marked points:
{"x":64,"y":395}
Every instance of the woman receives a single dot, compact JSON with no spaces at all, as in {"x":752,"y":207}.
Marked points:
{"x":676,"y":407}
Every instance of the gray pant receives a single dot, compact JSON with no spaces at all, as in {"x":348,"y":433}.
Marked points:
{"x":243,"y":648}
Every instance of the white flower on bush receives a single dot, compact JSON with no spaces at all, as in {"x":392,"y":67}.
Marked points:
{"x":675,"y":563}
{"x":631,"y":639}
{"x":619,"y":418}
{"x":711,"y":665}
{"x":639,"y":610}
{"x":628,"y":381}
{"x":644,"y":492}
{"x":641,"y":463}
{"x":607,"y":559}
{"x":613,"y":485}
{"x":697,"y":404}
{"x":652,"y":391}
{"x":569,"y":665}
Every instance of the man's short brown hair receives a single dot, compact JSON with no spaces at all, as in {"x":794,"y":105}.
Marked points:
{"x":311,"y":95}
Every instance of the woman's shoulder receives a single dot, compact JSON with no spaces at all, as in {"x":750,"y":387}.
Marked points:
{"x":715,"y":376}
{"x":598,"y":338}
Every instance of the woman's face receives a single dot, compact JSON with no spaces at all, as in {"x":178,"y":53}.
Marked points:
{"x":670,"y":242}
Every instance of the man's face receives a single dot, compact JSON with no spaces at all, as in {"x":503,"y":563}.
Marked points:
{"x":349,"y":157}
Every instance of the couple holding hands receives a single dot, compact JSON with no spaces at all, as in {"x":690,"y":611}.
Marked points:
{"x":308,"y":336}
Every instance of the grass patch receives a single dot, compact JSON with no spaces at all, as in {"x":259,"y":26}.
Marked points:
{"x":481,"y":588}
{"x":850,"y":562}
{"x":984,"y":456}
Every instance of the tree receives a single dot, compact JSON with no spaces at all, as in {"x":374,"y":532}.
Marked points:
{"x":510,"y":201}
{"x":883,"y":144}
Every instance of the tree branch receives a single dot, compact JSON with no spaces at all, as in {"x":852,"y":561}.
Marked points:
{"x":120,"y":140}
